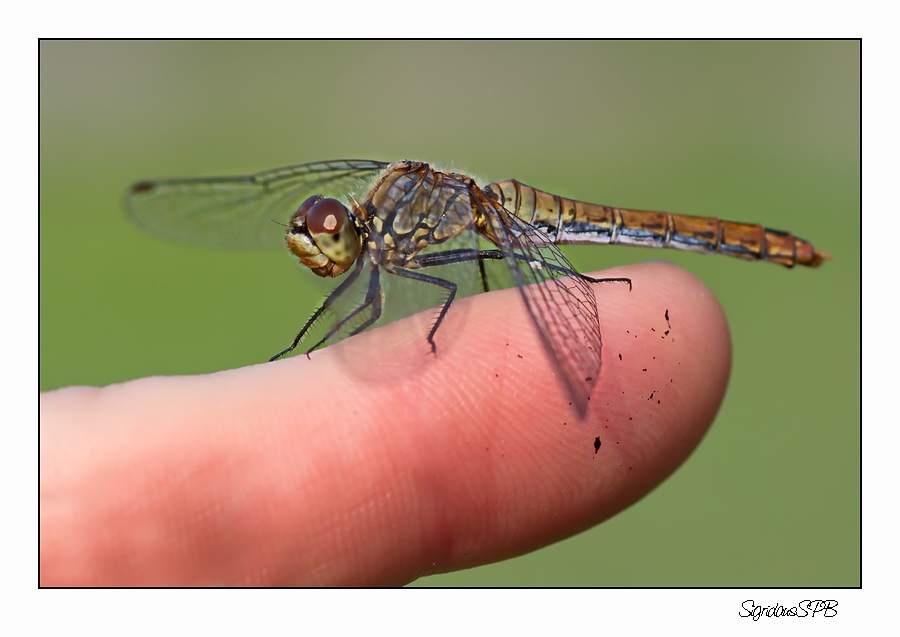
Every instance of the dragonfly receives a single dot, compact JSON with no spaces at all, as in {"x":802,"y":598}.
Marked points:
{"x":366,"y":223}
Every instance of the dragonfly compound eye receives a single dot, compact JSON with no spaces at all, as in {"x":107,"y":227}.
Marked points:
{"x":328,"y":223}
{"x":303,"y":210}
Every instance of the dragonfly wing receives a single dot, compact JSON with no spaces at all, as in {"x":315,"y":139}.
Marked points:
{"x":245,"y":211}
{"x":562,"y":307}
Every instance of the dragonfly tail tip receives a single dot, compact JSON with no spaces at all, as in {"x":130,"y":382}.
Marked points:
{"x":820,"y":257}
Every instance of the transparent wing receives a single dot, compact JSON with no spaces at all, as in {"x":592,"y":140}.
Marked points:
{"x":241,"y":212}
{"x":562,"y":307}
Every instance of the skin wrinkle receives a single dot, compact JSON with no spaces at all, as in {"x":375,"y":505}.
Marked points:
{"x":482,"y":449}
{"x":434,"y":496}
{"x":334,"y":526}
{"x":393,"y":458}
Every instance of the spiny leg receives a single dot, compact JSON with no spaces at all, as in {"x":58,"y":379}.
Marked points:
{"x":376,"y":309}
{"x":329,"y":300}
{"x":462,"y":255}
{"x":483,"y":272}
{"x":450,"y":286}
{"x":459,"y":255}
{"x":612,"y":280}
{"x":373,"y":298}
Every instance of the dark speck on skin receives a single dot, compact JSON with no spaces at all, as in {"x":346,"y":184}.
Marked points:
{"x":596,"y":445}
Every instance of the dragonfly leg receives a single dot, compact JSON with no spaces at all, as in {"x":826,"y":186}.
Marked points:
{"x":462,"y":254}
{"x":450,"y":286}
{"x":614,"y":280}
{"x":459,"y":255}
{"x":376,"y":312}
{"x":346,"y":283}
{"x":373,"y":300}
{"x":483,"y":273}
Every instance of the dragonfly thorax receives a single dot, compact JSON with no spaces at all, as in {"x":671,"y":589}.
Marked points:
{"x":323,"y":236}
{"x":411,"y":207}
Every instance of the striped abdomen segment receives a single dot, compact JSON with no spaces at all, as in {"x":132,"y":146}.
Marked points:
{"x":569,"y":221}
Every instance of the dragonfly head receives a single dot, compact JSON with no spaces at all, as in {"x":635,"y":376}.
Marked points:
{"x":323,"y":236}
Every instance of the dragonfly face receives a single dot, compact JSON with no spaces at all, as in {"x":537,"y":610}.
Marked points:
{"x":324,"y":236}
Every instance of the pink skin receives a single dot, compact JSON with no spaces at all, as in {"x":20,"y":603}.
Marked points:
{"x":343,"y":470}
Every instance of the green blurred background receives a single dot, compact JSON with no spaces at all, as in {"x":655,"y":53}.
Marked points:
{"x":765,"y":132}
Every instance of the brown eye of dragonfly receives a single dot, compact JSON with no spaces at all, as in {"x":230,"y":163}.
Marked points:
{"x":325,"y":221}
{"x":326,"y":216}
{"x":299,"y":217}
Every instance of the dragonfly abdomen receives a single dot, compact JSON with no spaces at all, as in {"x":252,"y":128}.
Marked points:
{"x":710,"y":235}
{"x":576,"y":222}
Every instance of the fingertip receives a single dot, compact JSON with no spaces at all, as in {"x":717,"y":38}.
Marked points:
{"x":499,"y":421}
{"x":666,"y":361}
